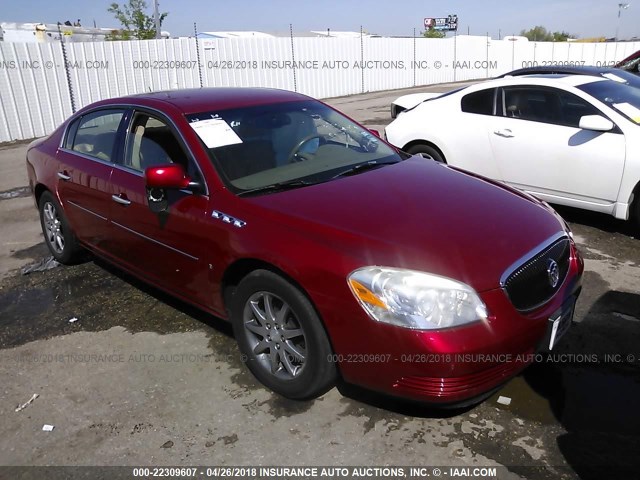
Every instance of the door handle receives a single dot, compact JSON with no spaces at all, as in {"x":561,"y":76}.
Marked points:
{"x":506,"y":133}
{"x":64,"y":176}
{"x":121,"y":199}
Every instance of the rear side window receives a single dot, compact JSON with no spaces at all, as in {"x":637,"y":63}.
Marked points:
{"x":94,"y":134}
{"x":479,"y":102}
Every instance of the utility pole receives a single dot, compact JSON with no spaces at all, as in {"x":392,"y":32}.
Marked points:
{"x":621,"y":6}
{"x":156,"y":18}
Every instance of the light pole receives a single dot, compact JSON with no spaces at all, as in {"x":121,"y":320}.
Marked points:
{"x":156,"y":19}
{"x":621,"y":6}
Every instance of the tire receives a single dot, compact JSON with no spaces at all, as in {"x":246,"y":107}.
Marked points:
{"x":634,"y":214}
{"x":426,"y":151}
{"x":295,"y":364}
{"x":60,"y":239}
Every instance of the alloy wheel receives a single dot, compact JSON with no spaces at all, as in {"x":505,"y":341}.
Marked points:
{"x":53,"y":227}
{"x":275,"y":335}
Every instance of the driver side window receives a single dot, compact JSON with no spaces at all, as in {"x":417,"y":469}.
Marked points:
{"x":546,"y":105}
{"x":574,"y":108}
{"x":150,"y":143}
{"x":533,"y":104}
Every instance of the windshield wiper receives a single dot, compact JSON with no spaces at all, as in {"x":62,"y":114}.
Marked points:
{"x":362,"y":167}
{"x":278,"y":187}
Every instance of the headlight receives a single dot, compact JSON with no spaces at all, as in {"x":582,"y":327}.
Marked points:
{"x":416,"y":300}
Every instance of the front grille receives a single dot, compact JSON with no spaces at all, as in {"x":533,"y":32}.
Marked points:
{"x":528,"y":286}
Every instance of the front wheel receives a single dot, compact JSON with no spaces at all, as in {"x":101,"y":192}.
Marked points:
{"x":60,"y":239}
{"x":634,"y":214}
{"x":426,"y":151}
{"x":281,"y":337}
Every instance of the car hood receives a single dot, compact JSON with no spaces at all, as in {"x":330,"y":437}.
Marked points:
{"x":419,"y":215}
{"x":413,"y":99}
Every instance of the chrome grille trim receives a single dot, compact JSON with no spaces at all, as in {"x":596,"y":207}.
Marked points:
{"x":529,"y":255}
{"x":527,"y":283}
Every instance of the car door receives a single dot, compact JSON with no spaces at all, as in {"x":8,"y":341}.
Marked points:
{"x":85,"y":166}
{"x":474,"y":153}
{"x":168,"y":247}
{"x":540,"y":148}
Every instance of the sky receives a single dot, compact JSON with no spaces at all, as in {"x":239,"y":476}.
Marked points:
{"x":585,"y":18}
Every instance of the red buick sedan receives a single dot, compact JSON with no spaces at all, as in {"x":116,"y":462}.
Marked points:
{"x":330,"y":252}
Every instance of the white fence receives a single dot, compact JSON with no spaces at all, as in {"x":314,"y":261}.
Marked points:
{"x":42,"y":84}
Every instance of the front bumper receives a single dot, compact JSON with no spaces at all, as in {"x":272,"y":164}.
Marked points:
{"x":445,"y":367}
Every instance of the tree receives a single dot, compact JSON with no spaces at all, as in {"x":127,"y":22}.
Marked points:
{"x":433,"y":33}
{"x":541,"y":34}
{"x":562,"y":36}
{"x":137,"y":24}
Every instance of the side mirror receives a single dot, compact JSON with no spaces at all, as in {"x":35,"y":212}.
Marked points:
{"x":596,"y":123}
{"x":375,"y":132}
{"x":167,"y":176}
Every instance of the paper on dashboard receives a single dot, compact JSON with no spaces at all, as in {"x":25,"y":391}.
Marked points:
{"x":614,"y":77}
{"x":215,"y":132}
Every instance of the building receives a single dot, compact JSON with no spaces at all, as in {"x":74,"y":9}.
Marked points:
{"x":204,"y":35}
{"x":51,"y":32}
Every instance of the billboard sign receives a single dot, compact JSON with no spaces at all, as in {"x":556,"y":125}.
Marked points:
{"x":445,"y":24}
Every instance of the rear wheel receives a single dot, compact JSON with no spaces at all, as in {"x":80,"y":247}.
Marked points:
{"x":58,"y":235}
{"x":281,"y":337}
{"x":426,"y":151}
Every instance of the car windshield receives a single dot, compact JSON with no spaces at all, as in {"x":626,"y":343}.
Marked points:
{"x":623,"y":98}
{"x":622,"y":76}
{"x":294,"y":143}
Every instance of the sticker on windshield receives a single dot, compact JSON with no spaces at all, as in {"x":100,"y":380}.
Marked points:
{"x":629,"y":110}
{"x":614,"y":77}
{"x":215,"y":133}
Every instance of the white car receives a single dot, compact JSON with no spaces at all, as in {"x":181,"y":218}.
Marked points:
{"x":567,"y":139}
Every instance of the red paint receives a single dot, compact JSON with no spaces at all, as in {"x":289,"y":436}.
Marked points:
{"x":167,"y":176}
{"x":633,"y":56}
{"x":416,"y":214}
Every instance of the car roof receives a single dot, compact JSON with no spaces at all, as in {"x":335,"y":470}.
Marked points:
{"x":628,"y":77}
{"x":549,"y":80}
{"x":568,"y":69}
{"x":196,"y":100}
